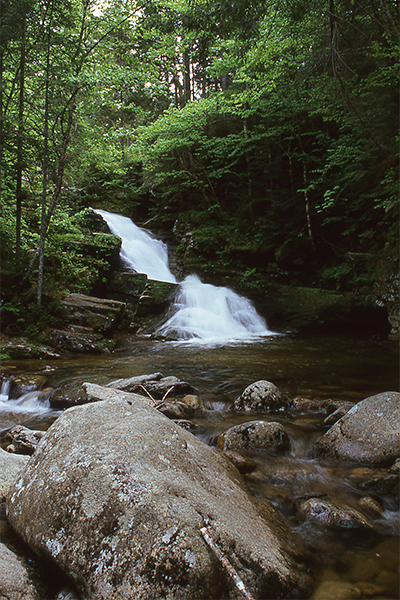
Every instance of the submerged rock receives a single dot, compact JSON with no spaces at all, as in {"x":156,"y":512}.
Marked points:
{"x":261,"y":396}
{"x":330,"y":514}
{"x":255,"y":434}
{"x":119,"y":496}
{"x":369,"y":432}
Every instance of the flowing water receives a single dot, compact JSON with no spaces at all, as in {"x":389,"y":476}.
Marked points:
{"x":350,"y":563}
{"x":201,"y":312}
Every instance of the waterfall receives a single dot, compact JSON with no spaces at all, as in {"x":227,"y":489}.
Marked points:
{"x":201,"y":311}
{"x":140,"y":250}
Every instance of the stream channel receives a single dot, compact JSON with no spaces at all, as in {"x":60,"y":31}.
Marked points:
{"x":351,"y":563}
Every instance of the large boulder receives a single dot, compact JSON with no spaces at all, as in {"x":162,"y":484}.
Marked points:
{"x":133,"y":506}
{"x":369,"y":432}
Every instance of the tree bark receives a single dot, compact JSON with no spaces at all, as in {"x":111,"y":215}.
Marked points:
{"x":20,"y":143}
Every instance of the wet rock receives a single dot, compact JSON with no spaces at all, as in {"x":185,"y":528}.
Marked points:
{"x":332,"y":515}
{"x":23,"y":384}
{"x":174,"y":409}
{"x":69,"y":393}
{"x":255,"y":434}
{"x":304,"y":405}
{"x":155,"y":384}
{"x":193,"y":401}
{"x":370,"y":506}
{"x":116,"y":494}
{"x":23,"y":440}
{"x":336,"y":590}
{"x":19,"y":348}
{"x":338,"y":414}
{"x":188,"y":425}
{"x":156,"y":298}
{"x":10,"y":467}
{"x":244,"y":464}
{"x":261,"y":396}
{"x":15,"y":582}
{"x":331,"y":405}
{"x":81,"y":339}
{"x":369,"y":432}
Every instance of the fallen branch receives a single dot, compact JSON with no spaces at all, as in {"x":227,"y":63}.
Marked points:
{"x":225,"y":563}
{"x":166,"y":393}
{"x":149,"y":395}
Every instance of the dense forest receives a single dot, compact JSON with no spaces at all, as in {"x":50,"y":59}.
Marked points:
{"x":261,"y":138}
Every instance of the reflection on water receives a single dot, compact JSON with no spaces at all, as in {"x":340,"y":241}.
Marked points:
{"x":352,"y":563}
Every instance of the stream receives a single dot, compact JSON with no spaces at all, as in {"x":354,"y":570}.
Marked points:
{"x":222,"y":347}
{"x":317,"y":367}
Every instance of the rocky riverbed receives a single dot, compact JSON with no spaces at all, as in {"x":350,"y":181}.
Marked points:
{"x":121,"y":496}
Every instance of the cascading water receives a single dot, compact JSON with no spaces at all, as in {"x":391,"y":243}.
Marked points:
{"x":201,"y":312}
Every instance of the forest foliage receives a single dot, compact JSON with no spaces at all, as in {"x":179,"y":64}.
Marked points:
{"x":262,"y":135}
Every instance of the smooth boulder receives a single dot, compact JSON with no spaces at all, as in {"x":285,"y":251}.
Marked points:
{"x":122,"y":498}
{"x":369,"y":432}
{"x":255,"y":434}
{"x":261,"y":396}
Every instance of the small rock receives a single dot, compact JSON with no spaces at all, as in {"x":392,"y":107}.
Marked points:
{"x":371,"y":506}
{"x":336,"y":590}
{"x":304,"y":404}
{"x":193,"y":401}
{"x":23,"y":440}
{"x":261,"y":396}
{"x":255,"y":434}
{"x":174,"y":409}
{"x":15,"y":582}
{"x":244,"y":464}
{"x":338,"y":414}
{"x":395,"y":468}
{"x":329,"y":514}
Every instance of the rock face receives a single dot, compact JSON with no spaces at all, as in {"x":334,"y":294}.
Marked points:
{"x":117,"y":495}
{"x":91,"y":324}
{"x":369,"y":432}
{"x":10,"y":467}
{"x":255,"y":434}
{"x":259,"y":397}
{"x":15,"y":582}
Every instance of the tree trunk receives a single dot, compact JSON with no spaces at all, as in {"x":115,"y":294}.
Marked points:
{"x":20,"y":143}
{"x":45,"y":167}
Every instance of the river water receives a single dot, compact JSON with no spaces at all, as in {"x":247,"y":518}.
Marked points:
{"x":316,"y":367}
{"x":224,"y":347}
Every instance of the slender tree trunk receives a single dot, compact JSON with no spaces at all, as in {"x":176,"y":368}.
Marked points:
{"x":20,"y":143}
{"x":186,"y":78}
{"x":306,"y":196}
{"x":45,"y":168}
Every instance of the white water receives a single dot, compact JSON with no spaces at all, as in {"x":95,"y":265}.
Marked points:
{"x":32,"y":403}
{"x":201,"y":312}
{"x":140,"y":250}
